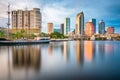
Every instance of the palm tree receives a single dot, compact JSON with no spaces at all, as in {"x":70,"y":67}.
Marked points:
{"x":22,"y":32}
{"x":32,"y":36}
{"x":17,"y":35}
{"x":2,"y":34}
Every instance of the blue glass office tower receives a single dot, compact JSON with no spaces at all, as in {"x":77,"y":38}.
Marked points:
{"x":101,"y":27}
{"x":66,"y":26}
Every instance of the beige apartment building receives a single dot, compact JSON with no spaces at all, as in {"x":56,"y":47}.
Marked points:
{"x":50,"y":28}
{"x":29,"y":20}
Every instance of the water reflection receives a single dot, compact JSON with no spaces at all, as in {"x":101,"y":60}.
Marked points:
{"x":109,"y":48}
{"x":89,"y":50}
{"x":66,"y":51}
{"x":101,"y":49}
{"x":50,"y":49}
{"x":26,"y":56}
{"x":69,"y":60}
{"x":79,"y":52}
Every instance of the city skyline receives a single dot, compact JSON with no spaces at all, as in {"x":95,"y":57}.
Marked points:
{"x":56,"y":10}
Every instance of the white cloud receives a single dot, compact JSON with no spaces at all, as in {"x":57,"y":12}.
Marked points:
{"x":3,"y":8}
{"x":14,"y":5}
{"x":22,"y":4}
{"x":55,"y":14}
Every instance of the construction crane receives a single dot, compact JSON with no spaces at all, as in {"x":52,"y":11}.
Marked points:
{"x":8,"y":24}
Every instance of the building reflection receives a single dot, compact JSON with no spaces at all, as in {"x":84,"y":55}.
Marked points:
{"x":109,"y":48}
{"x":26,"y":57}
{"x":89,"y":50}
{"x":66,"y":51}
{"x":101,"y":49}
{"x":50,"y":49}
{"x":79,"y":52}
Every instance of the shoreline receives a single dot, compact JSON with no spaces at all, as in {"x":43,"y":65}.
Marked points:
{"x":42,"y":41}
{"x":60,"y":40}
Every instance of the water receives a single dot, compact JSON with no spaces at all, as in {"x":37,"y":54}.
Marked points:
{"x":61,"y":60}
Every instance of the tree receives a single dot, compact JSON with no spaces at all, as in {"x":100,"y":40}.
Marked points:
{"x":56,"y":35}
{"x":22,"y":32}
{"x":32,"y":36}
{"x":11,"y":35}
{"x":17,"y":35}
{"x":42,"y":34}
{"x":2,"y":34}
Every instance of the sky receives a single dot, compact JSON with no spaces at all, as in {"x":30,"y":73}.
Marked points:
{"x":56,"y":11}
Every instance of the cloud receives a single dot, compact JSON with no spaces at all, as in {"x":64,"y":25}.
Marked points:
{"x":14,"y":5}
{"x":55,"y":14}
{"x":3,"y":7}
{"x":22,"y":4}
{"x":51,"y":11}
{"x":56,"y":10}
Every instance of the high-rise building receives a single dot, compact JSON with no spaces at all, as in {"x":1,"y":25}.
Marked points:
{"x":89,"y":30}
{"x":94,"y":23}
{"x":62,"y":28}
{"x":67,"y":26}
{"x":101,"y":26}
{"x":80,"y":23}
{"x":50,"y":28}
{"x":29,"y":20}
{"x":110,"y":30}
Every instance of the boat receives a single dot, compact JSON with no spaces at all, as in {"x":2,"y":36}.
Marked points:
{"x":23,"y":42}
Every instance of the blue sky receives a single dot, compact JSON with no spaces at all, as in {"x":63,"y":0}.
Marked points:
{"x":56,"y":10}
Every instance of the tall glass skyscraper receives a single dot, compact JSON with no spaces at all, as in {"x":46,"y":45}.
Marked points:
{"x":62,"y":28}
{"x":94,"y":23}
{"x":80,"y":23}
{"x":101,"y":26}
{"x":66,"y":26}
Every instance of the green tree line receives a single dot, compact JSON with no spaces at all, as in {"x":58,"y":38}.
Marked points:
{"x":23,"y":35}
